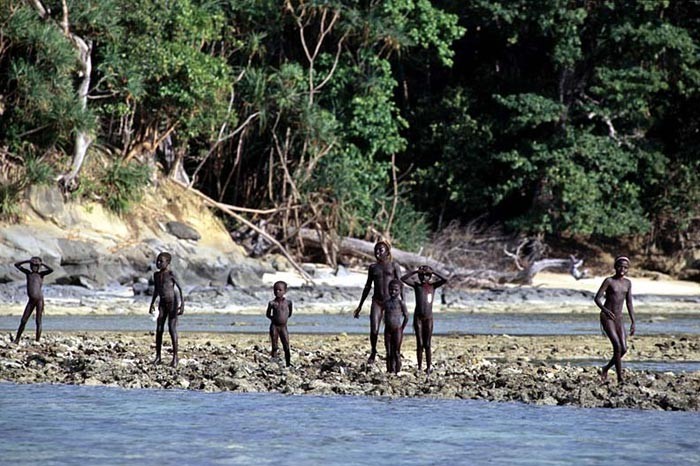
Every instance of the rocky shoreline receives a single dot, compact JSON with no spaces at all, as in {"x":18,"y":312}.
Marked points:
{"x":494,"y":368}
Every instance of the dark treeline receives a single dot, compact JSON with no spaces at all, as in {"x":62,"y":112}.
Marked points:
{"x":365,"y":118}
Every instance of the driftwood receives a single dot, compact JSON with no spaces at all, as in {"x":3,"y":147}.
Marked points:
{"x":357,"y":247}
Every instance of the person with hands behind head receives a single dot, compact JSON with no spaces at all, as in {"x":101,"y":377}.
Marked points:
{"x":617,"y":291}
{"x":424,"y":287}
{"x":169,"y":306}
{"x":35,"y":279}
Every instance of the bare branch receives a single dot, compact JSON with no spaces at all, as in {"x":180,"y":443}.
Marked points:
{"x":224,"y":208}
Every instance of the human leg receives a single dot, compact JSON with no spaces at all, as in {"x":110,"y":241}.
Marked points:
{"x":172,"y":328}
{"x":388,"y":350}
{"x":375,"y":320}
{"x":28,"y":309}
{"x":38,"y":317}
{"x":398,"y":339}
{"x":418,"y":330}
{"x":274,"y":340}
{"x":427,"y":339}
{"x":610,"y":330}
{"x":160,"y":328}
{"x":284,"y":336}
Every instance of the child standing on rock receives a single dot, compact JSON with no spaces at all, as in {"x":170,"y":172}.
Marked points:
{"x":279,"y":310}
{"x":168,"y":308}
{"x":618,"y":292}
{"x":424,"y":287}
{"x":395,"y":320}
{"x":35,"y":280}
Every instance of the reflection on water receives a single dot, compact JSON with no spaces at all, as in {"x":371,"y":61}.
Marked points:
{"x":445,"y":323}
{"x":44,"y":424}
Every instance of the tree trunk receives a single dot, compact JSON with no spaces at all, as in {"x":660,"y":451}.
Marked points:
{"x":84,"y":48}
{"x":357,"y":247}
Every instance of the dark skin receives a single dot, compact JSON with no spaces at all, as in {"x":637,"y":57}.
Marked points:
{"x":279,"y":310}
{"x":395,"y":320}
{"x":424,"y":286}
{"x":617,"y":291}
{"x":379,"y":275}
{"x":168,"y":308}
{"x":35,"y":280}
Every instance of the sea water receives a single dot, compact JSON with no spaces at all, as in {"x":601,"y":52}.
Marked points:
{"x":445,"y":323}
{"x":61,"y":424}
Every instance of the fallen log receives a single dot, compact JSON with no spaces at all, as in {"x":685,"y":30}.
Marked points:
{"x":480,"y":277}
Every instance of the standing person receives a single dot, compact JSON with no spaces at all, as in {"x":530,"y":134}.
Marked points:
{"x":618,"y":292}
{"x":168,"y":308}
{"x":423,"y":315}
{"x":379,"y":274}
{"x":279,"y":310}
{"x":395,"y":320}
{"x":35,"y":280}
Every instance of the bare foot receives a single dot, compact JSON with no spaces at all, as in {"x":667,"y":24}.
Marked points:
{"x":156,"y":361}
{"x":173,"y":363}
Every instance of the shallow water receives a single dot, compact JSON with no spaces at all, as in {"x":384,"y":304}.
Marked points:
{"x":674,"y":366}
{"x":445,"y":323}
{"x":57,"y":424}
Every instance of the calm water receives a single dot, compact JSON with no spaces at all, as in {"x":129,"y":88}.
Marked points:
{"x":44,"y":425}
{"x":445,"y":323}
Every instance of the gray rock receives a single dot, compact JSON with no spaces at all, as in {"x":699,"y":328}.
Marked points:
{"x":244,"y":277}
{"x":77,"y":252}
{"x":47,"y":201}
{"x":182,"y":231}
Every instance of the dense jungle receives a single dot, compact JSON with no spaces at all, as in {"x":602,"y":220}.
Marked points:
{"x":575,"y":122}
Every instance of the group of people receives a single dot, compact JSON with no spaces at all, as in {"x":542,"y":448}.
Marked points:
{"x":387,"y":306}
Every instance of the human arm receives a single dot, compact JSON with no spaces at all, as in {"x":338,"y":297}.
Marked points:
{"x":397,"y":275}
{"x":290,"y":308}
{"x":630,"y":309}
{"x":268,"y":312}
{"x":365,"y":293}
{"x":440,"y":280}
{"x":406,"y":278}
{"x":47,"y":270}
{"x":404,"y":311}
{"x":182,"y":296}
{"x":156,"y":292}
{"x":19,"y":267}
{"x":599,"y":299}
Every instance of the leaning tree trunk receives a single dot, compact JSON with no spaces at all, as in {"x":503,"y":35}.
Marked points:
{"x":84,"y":47}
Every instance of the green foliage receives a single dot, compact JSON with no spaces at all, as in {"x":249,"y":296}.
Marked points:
{"x":568,"y":117}
{"x":121,"y":185}
{"x":38,"y":172}
{"x":411,"y":228}
{"x":357,"y":184}
{"x":37,"y":67}
{"x":9,"y":201}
